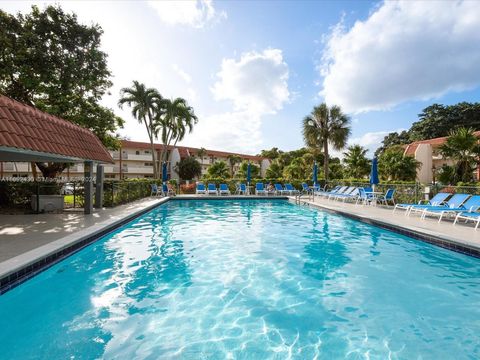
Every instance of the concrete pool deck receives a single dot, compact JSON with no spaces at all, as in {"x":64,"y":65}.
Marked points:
{"x":463,"y":235}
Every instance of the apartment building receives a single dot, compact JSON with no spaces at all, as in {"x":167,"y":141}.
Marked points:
{"x":427,"y":152}
{"x":134,"y":160}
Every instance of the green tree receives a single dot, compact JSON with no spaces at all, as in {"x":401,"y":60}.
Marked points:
{"x":326,"y":126}
{"x":439,"y":120}
{"x":392,"y":139}
{"x":274,"y":171}
{"x":242,"y":170}
{"x":142,"y":101}
{"x":218,"y":170}
{"x":462,"y":146}
{"x":357,"y":164}
{"x":173,"y":118}
{"x":201,"y":153}
{"x":232,"y":161}
{"x":51,"y":61}
{"x":189,"y":168}
{"x":271,"y":154}
{"x":393,"y":165}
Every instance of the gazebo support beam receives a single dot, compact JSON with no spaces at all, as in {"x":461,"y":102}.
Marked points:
{"x":88,"y":187}
{"x":99,"y":187}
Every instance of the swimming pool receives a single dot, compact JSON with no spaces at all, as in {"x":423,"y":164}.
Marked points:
{"x":253,"y":279}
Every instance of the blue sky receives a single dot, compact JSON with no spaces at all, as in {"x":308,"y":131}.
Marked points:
{"x":253,"y":69}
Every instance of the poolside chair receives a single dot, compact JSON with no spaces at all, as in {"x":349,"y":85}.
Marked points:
{"x":290,"y":189}
{"x":342,"y":191}
{"x":279,"y":190}
{"x":306,"y":189}
{"x":363,"y":197}
{"x":468,"y":216}
{"x":201,"y":189}
{"x":336,"y":190}
{"x":259,"y":189}
{"x":223,"y":190}
{"x":348,"y":195}
{"x":453,"y":203}
{"x":154,"y":190}
{"x":388,"y":197}
{"x":436,"y":200}
{"x":166,"y":191}
{"x":212,"y":189}
{"x":241,"y":189}
{"x":471,"y":206}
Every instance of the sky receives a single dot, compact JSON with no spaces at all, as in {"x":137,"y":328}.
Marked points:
{"x":252,"y":70}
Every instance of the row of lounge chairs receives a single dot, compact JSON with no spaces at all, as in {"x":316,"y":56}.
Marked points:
{"x":162,"y":190}
{"x":461,"y":206}
{"x":242,"y":189}
{"x":359,"y":195}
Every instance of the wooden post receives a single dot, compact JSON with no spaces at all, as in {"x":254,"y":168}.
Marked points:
{"x":99,"y":187}
{"x":88,"y":187}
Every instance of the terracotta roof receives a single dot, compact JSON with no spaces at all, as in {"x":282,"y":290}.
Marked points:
{"x":412,"y":147}
{"x":186,"y":151}
{"x":25,"y":127}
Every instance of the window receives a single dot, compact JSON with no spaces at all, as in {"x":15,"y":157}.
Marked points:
{"x":148,"y":164}
{"x":149,"y":176}
{"x":147,"y":151}
{"x":137,"y":152}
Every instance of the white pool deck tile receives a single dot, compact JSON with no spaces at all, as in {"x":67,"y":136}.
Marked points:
{"x":26,"y":238}
{"x":463,"y":234}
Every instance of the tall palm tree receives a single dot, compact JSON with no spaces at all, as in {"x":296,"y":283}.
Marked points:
{"x":173,"y":119}
{"x":142,"y":101}
{"x":358,"y":166}
{"x":232,"y":161}
{"x":326,"y":126}
{"x":464,"y":147}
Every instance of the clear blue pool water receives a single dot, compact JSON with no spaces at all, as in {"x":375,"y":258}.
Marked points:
{"x":247,"y":280}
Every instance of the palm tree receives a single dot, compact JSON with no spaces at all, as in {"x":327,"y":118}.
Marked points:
{"x":394,"y":165}
{"x":218,"y":170}
{"x":232,"y":161}
{"x":326,"y":126}
{"x":358,"y":166}
{"x":173,"y":119}
{"x":462,"y":146}
{"x":142,"y":100}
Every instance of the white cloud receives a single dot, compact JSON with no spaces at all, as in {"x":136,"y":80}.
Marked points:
{"x":182,"y":73}
{"x":237,"y":131}
{"x":371,"y":140}
{"x":258,"y":82}
{"x":195,"y":13}
{"x":256,"y":85}
{"x":405,"y":50}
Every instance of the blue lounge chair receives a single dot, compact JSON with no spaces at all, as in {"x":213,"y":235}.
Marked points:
{"x":212,"y":189}
{"x":346,"y":193}
{"x":223,"y":190}
{"x":241,"y":189}
{"x":290,"y":189}
{"x":453,"y":203}
{"x":436,"y":200}
{"x":201,"y":189}
{"x":351,"y":194}
{"x":305,"y":188}
{"x":166,"y":191}
{"x":471,"y":205}
{"x":336,"y":190}
{"x":259,"y":189}
{"x":388,"y":197}
{"x":363,"y":197}
{"x":468,"y":216}
{"x":279,"y":190}
{"x":154,"y":190}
